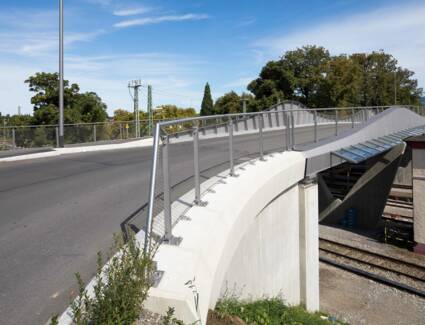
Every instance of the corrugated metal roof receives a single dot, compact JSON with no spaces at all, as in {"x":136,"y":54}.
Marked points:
{"x":365,"y":150}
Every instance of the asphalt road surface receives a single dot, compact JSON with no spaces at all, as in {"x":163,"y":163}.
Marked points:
{"x":57,"y":213}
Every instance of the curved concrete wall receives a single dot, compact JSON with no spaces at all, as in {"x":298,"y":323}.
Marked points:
{"x":248,"y":236}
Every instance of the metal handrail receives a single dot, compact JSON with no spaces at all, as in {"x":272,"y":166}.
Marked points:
{"x":228,"y":120}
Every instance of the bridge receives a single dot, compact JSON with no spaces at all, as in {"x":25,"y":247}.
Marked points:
{"x":248,"y":225}
{"x":75,"y":201}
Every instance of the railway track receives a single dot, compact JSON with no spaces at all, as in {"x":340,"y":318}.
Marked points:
{"x":403,"y":275}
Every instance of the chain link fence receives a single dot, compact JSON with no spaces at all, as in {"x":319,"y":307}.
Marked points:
{"x":38,"y":136}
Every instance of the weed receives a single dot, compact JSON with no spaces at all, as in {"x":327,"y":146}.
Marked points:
{"x":121,"y":287}
{"x":270,"y":312}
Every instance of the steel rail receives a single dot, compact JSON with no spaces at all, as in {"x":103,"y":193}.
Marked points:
{"x":374,"y":277}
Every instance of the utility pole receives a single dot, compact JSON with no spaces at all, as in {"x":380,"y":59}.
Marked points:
{"x":150,"y":113}
{"x":135,"y":85}
{"x":61,"y":50}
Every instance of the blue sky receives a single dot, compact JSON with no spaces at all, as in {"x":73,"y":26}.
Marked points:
{"x":179,"y":45}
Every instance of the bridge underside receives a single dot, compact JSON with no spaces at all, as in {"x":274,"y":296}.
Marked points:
{"x":367,"y":197}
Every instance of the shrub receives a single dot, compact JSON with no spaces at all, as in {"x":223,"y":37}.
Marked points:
{"x":120,"y":289}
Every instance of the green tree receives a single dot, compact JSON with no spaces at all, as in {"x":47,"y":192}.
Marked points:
{"x":344,"y":81}
{"x":123,"y":115}
{"x":382,"y":78}
{"x":298,"y":75}
{"x":316,"y":79}
{"x":172,"y":111}
{"x":207,"y":102}
{"x":228,"y":104}
{"x":78,"y":107}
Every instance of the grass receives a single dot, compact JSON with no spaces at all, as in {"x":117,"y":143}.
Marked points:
{"x":271,"y":311}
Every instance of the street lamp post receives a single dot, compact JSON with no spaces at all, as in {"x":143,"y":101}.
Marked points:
{"x":61,"y":50}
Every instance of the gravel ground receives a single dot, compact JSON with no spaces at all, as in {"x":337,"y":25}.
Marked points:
{"x":358,"y":300}
{"x":149,"y":318}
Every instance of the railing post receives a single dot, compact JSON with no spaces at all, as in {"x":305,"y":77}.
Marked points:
{"x":232,"y":166}
{"x":13,"y":139}
{"x":166,"y":180}
{"x":94,"y":132}
{"x":196,"y":165}
{"x":149,"y":218}
{"x":364,"y":115}
{"x":315,"y":125}
{"x":336,"y":122}
{"x":352,"y":118}
{"x":292,"y":131}
{"x":57,"y":136}
{"x":120,"y":126}
{"x":260,"y":133}
{"x":287,"y":129}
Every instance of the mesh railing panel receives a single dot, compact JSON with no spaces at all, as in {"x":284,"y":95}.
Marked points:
{"x":279,"y":130}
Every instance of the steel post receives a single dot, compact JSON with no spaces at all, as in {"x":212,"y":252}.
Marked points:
{"x":196,"y":165}
{"x":151,"y":201}
{"x":166,"y":180}
{"x":13,"y":139}
{"x":288,"y":131}
{"x":94,"y":132}
{"x":57,"y":137}
{"x":336,"y":122}
{"x":61,"y":78}
{"x":315,"y":125}
{"x":232,"y":166}
{"x":292,"y":131}
{"x":260,"y":133}
{"x":352,"y":118}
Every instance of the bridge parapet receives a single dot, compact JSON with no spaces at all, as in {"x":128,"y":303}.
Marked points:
{"x":244,"y":137}
{"x":252,"y":239}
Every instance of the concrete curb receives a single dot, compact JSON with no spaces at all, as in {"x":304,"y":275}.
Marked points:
{"x":64,"y":151}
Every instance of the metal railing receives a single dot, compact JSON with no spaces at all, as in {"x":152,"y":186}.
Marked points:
{"x":183,"y":153}
{"x":36,"y":136}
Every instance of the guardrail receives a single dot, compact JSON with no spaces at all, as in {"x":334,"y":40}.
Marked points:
{"x":34,"y":136}
{"x":281,"y":128}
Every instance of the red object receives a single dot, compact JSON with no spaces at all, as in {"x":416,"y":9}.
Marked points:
{"x":419,"y":249}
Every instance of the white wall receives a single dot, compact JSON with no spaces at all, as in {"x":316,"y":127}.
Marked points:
{"x":248,"y":234}
{"x":267,"y":259}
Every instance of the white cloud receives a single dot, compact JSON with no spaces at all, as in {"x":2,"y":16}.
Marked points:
{"x":160,"y":19}
{"x":397,"y":30}
{"x":131,"y":11}
{"x":40,"y":43}
{"x":175,"y":78}
{"x":247,"y":21}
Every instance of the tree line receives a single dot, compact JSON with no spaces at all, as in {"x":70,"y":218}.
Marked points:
{"x":317,"y":79}
{"x":308,"y":74}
